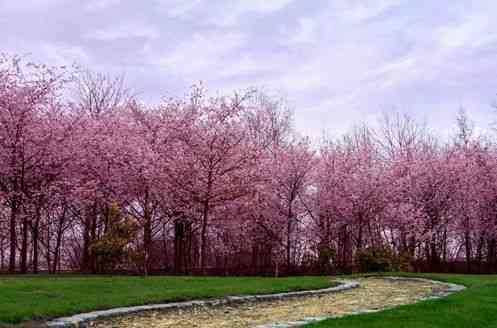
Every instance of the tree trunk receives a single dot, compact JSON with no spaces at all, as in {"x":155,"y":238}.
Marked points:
{"x":147,"y":243}
{"x":434,"y":259}
{"x":48,"y":256}
{"x":179,"y":247}
{"x":203,"y":247}
{"x":85,"y":260}
{"x":24,"y":246}
{"x":479,"y":251}
{"x":147,"y":235}
{"x":35,"y":236}
{"x":58,"y":244}
{"x":13,"y":236}
{"x":360,"y":233}
{"x":289,"y":239}
{"x":88,"y":233}
{"x":165,"y":255}
{"x":491,"y":254}
{"x":345,"y":253}
{"x":467,"y":245}
{"x":2,"y":256}
{"x":93,"y":238}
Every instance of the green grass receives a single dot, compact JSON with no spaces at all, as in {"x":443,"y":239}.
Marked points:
{"x":41,"y":297}
{"x":475,"y":307}
{"x":25,"y":298}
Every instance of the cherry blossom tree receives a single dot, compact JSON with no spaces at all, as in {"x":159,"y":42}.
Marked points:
{"x":289,"y":178}
{"x":32,"y":130}
{"x":191,"y":178}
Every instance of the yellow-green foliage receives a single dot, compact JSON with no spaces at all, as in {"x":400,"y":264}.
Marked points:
{"x":113,"y":247}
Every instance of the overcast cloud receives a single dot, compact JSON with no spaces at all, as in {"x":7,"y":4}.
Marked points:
{"x":337,"y":62}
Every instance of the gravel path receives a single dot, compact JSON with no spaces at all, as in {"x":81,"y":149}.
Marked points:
{"x":374,"y":294}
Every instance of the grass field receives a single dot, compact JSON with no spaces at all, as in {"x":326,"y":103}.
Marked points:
{"x":40,"y":297}
{"x":475,"y":307}
{"x":36,"y":298}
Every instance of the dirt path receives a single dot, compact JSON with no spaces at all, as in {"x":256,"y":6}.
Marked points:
{"x":374,"y":294}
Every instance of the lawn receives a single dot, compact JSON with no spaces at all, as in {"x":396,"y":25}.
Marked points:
{"x":40,"y":297}
{"x":25,"y":298}
{"x":475,"y":307}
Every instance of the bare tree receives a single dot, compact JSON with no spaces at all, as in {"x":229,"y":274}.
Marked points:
{"x":98,"y":93}
{"x":400,"y":134}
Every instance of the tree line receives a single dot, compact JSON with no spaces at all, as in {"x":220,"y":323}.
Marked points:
{"x":93,"y":180}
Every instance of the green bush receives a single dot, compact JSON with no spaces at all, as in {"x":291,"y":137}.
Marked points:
{"x":114,"y":245}
{"x":373,"y":259}
{"x":402,"y":262}
{"x":326,"y":254}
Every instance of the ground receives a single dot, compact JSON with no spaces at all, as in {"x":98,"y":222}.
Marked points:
{"x":475,"y":307}
{"x":39,"y":297}
{"x":373,"y":294}
{"x":28,"y":298}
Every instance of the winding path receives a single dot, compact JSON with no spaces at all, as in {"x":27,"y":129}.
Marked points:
{"x":271,"y":311}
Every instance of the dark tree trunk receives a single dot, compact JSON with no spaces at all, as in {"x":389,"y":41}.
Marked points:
{"x":434,"y":259}
{"x":179,"y":246}
{"x":58,"y":243}
{"x":203,"y":247}
{"x":444,"y":246}
{"x":147,"y":243}
{"x":412,"y":247}
{"x":13,"y":236}
{"x":193,"y":247}
{"x":360,"y":233}
{"x":182,"y":246}
{"x":491,"y":254}
{"x":289,"y":237}
{"x":2,"y":255}
{"x":345,"y":253}
{"x":165,"y":251}
{"x":85,"y":262}
{"x":205,"y":221}
{"x":24,"y":246}
{"x":479,"y":251}
{"x":36,"y":245}
{"x":88,"y":227}
{"x":48,"y":256}
{"x":93,"y":238}
{"x":467,"y":245}
{"x":288,"y":245}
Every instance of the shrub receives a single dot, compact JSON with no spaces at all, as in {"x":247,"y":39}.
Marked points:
{"x":371,"y":259}
{"x":326,"y":254}
{"x":113,"y":247}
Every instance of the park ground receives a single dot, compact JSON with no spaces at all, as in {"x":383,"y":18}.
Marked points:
{"x":35,"y":298}
{"x":474,"y":307}
{"x":28,"y":298}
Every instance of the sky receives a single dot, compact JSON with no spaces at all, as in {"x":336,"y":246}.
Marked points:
{"x":336,"y":63}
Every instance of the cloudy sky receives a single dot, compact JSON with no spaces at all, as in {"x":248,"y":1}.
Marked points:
{"x":336,"y":62}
